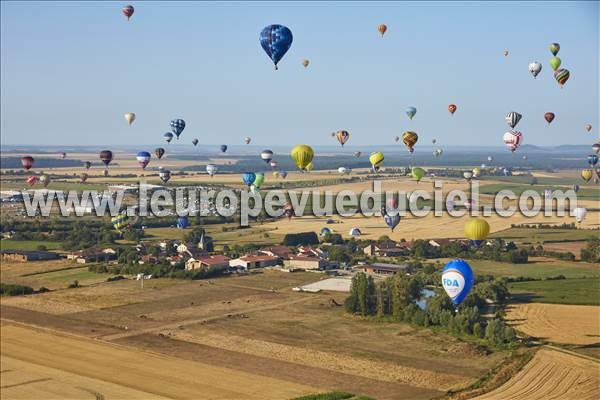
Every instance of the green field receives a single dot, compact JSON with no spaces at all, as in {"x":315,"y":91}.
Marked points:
{"x":62,"y":278}
{"x":27,"y":245}
{"x":533,"y":235}
{"x":536,"y":269}
{"x":563,"y":291}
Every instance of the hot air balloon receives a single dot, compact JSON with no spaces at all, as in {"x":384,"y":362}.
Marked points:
{"x":342,"y":136}
{"x":391,"y":220}
{"x":513,"y":118}
{"x":344,"y":170}
{"x":549,"y":117}
{"x":310,"y":166}
{"x":62,"y":155}
{"x":120,"y":222}
{"x":354,"y":232}
{"x":332,"y":134}
{"x":129,"y":117}
{"x":266,"y":155}
{"x":211,"y":169}
{"x":283,"y":174}
{"x":409,"y":139}
{"x":31,"y":180}
{"x":457,"y":280}
{"x":325,"y":231}
{"x":87,"y":165}
{"x":418,"y":173}
{"x":588,"y":127}
{"x":505,"y":53}
{"x":274,"y":164}
{"x":302,"y":155}
{"x":452,"y":108}
{"x":44,"y":180}
{"x":490,"y":158}
{"x":258,"y":181}
{"x":223,"y":148}
{"x":248,"y":178}
{"x":592,"y":160}
{"x":305,"y":63}
{"x":562,"y":76}
{"x":177,"y":126}
{"x":476,"y":230}
{"x":128,"y":11}
{"x":535,"y":68}
{"x":554,"y":48}
{"x":357,"y":154}
{"x":143,"y":158}
{"x":580,"y":214}
{"x":83,"y":177}
{"x":376,"y":158}
{"x":183,"y":222}
{"x":467,"y":175}
{"x":159,"y":152}
{"x":397,"y":139}
{"x":411,"y":111}
{"x":434,"y":141}
{"x":106,"y":157}
{"x":247,"y":139}
{"x":194,"y":141}
{"x":168,"y":137}
{"x":513,"y":139}
{"x":596,"y":148}
{"x":555,"y":63}
{"x":164,"y":175}
{"x":276,"y":174}
{"x":288,"y":210}
{"x":437,"y":152}
{"x":27,"y":162}
{"x":476,"y":172}
{"x":382,"y":28}
{"x":575,"y":187}
{"x":276,"y":41}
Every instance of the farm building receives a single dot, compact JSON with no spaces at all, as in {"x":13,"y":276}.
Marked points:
{"x":282,"y":252}
{"x":306,"y":262}
{"x":25,"y":256}
{"x":387,"y":249}
{"x":190,"y":250}
{"x":209,"y":262}
{"x":382,"y":269}
{"x":93,"y":255}
{"x":254,"y":261}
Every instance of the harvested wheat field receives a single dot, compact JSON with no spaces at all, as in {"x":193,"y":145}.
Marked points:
{"x":557,"y":323}
{"x":551,"y":374}
{"x":45,"y":359}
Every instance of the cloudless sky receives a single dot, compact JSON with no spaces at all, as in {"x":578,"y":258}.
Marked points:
{"x":69,"y":70}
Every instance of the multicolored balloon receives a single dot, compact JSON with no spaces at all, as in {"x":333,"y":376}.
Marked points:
{"x":258,"y":181}
{"x":513,"y":139}
{"x":177,"y":126}
{"x":143,"y":158}
{"x":31,"y":180}
{"x":62,"y":155}
{"x":596,"y":148}
{"x":248,"y":178}
{"x":274,"y":164}
{"x":562,"y":76}
{"x":452,"y":108}
{"x":27,"y":162}
{"x":266,"y":155}
{"x":513,"y":118}
{"x":164,"y":175}
{"x":554,"y":48}
{"x":120,"y":222}
{"x":391,"y":220}
{"x":159,"y":152}
{"x":457,"y":280}
{"x":376,"y":158}
{"x":276,"y":40}
{"x":342,"y":136}
{"x":128,"y":11}
{"x":357,"y":154}
{"x":409,"y":139}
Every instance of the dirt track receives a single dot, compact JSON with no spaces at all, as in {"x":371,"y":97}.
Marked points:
{"x":130,"y":373}
{"x":551,"y":374}
{"x":557,"y":322}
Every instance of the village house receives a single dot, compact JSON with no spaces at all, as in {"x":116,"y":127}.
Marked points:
{"x":25,"y":256}
{"x":93,"y":255}
{"x":305,"y":262}
{"x":209,"y":262}
{"x":382,"y":269}
{"x":189,"y":250}
{"x":282,"y":252}
{"x":148,"y":259}
{"x":254,"y":261}
{"x":388,"y":249}
{"x":311,"y":252}
{"x":446,"y":242}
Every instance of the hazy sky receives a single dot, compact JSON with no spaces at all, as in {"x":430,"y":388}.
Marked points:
{"x":70,"y":70}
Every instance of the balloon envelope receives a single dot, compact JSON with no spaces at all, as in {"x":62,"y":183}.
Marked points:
{"x":182,"y":222}
{"x":106,"y":156}
{"x":27,"y":162}
{"x":159,"y":152}
{"x":580,"y":213}
{"x":223,"y":148}
{"x":457,"y":280}
{"x":177,"y":126}
{"x":168,"y":137}
{"x":302,"y":155}
{"x":382,"y":28}
{"x":248,"y":178}
{"x":128,"y":11}
{"x":129,"y":117}
{"x":418,"y":173}
{"x":411,"y":111}
{"x":211,"y":169}
{"x":476,"y":230}
{"x":549,"y":117}
{"x":276,"y":41}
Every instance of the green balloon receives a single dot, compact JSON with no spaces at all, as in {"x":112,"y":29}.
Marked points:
{"x":554,"y":48}
{"x":260,"y":178}
{"x":418,"y":173}
{"x":555,"y":63}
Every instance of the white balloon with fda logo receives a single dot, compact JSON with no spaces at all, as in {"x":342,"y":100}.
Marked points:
{"x":457,"y":280}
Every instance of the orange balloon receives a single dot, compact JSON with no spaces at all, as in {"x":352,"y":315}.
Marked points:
{"x":452,"y":108}
{"x":382,"y":28}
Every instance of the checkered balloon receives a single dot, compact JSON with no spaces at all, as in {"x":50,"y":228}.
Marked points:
{"x":177,"y":126}
{"x":276,"y":40}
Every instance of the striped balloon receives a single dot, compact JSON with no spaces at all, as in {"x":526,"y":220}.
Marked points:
{"x":302,"y":155}
{"x":513,"y":118}
{"x":342,"y":136}
{"x":513,"y":139}
{"x":120,"y":222}
{"x":562,"y":76}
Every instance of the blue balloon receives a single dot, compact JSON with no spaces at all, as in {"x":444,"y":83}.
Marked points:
{"x":177,"y":126}
{"x":276,"y":40}
{"x":391,"y":220}
{"x":248,"y":178}
{"x":223,"y":148}
{"x":411,"y":111}
{"x":325,"y":231}
{"x":168,"y":137}
{"x":457,"y":280}
{"x":182,"y":222}
{"x":592,"y":159}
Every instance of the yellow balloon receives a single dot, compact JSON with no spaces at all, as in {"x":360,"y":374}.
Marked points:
{"x":376,"y":158}
{"x":302,"y":155}
{"x":587,"y":174}
{"x":410,"y":138}
{"x":310,"y":166}
{"x":129,"y":117}
{"x":476,"y":172}
{"x":477,"y":229}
